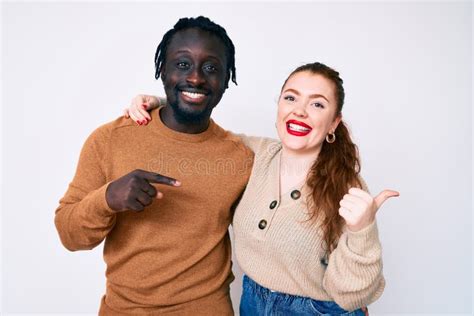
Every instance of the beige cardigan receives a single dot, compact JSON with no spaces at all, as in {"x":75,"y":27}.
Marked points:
{"x":285,"y":255}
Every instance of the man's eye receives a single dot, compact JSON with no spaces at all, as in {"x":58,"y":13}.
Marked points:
{"x":182,"y":65}
{"x":289,"y":98}
{"x":210,"y":68}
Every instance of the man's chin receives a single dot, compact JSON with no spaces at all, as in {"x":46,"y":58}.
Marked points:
{"x":187,"y":113}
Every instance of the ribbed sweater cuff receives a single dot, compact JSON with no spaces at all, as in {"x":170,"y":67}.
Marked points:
{"x":364,"y":242}
{"x":99,"y":201}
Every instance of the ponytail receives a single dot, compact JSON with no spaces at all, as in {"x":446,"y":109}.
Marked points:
{"x":332,"y":174}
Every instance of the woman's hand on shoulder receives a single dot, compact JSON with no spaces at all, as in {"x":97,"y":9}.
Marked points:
{"x":139,"y":108}
{"x":358,"y":208}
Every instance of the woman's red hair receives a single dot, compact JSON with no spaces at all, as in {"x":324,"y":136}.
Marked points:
{"x":335,"y":170}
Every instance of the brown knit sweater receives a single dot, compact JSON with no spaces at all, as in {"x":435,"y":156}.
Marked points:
{"x":175,"y":256}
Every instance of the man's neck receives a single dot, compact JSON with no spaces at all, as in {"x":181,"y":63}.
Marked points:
{"x":190,"y":127}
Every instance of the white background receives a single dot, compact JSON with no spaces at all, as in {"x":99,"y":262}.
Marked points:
{"x":407,"y":68}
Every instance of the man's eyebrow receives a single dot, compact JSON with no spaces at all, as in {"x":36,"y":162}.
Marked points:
{"x":186,"y":51}
{"x":183,"y":51}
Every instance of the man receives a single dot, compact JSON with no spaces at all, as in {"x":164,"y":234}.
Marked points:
{"x":170,"y":254}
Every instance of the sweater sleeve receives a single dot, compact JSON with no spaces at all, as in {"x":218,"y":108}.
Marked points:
{"x":83,"y":218}
{"x":353,"y":277}
{"x":260,"y":145}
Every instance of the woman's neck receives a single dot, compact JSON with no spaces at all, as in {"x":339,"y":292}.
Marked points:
{"x":294,"y":168}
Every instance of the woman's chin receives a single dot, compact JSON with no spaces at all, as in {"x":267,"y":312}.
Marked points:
{"x":294,"y":146}
{"x":300,"y":147}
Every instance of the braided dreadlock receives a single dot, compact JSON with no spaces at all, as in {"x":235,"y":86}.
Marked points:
{"x":204,"y":24}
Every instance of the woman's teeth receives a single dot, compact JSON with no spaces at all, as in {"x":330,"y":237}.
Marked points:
{"x":298,"y":128}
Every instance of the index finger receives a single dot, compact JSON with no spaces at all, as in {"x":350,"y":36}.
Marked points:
{"x":154,"y":177}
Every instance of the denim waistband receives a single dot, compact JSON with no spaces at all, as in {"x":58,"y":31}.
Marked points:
{"x":326,"y":307}
{"x":265,"y":292}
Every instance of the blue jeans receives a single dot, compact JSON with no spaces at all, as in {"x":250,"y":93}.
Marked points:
{"x":257,"y":300}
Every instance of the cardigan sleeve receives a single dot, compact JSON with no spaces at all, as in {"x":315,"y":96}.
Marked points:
{"x":83,"y":218}
{"x":354,"y":277}
{"x":260,"y":145}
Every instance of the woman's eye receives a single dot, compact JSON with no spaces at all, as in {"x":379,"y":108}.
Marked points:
{"x":289,"y":98}
{"x":318,"y":105}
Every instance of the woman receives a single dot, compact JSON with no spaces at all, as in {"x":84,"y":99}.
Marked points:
{"x":305,"y":230}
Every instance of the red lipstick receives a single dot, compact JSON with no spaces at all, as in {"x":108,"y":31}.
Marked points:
{"x":297,"y":128}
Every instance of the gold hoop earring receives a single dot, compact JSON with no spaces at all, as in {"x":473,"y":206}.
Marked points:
{"x":331,"y":139}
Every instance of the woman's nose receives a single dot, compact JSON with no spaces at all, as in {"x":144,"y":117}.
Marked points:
{"x":300,"y":110}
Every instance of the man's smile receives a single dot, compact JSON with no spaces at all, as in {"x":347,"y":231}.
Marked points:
{"x":193,"y":97}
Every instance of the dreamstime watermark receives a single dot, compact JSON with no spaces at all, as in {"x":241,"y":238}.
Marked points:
{"x":222,"y":166}
{"x":200,"y":166}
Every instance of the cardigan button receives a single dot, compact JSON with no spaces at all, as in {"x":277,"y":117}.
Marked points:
{"x":324,"y":262}
{"x":262,"y":224}
{"x":273,"y":204}
{"x":295,"y":194}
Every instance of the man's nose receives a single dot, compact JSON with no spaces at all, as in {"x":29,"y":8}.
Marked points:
{"x":195,"y":77}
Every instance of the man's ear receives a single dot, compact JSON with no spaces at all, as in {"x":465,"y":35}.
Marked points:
{"x":227,"y":77}
{"x":163,"y":72}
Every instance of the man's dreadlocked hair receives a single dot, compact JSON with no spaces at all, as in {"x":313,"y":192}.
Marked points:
{"x":204,"y":24}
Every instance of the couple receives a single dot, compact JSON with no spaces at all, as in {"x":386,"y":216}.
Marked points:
{"x":305,"y":230}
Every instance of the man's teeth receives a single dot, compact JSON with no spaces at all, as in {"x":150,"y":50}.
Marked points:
{"x":298,"y":128}
{"x":193,"y":95}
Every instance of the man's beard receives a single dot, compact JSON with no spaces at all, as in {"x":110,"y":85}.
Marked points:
{"x":183,"y":116}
